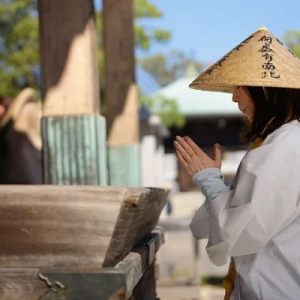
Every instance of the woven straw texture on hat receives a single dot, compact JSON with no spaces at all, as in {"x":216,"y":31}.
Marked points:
{"x":260,"y":60}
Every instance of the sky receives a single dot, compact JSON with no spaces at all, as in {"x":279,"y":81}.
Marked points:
{"x":207,"y":29}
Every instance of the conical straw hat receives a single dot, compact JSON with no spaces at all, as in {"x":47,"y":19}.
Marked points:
{"x":260,"y":60}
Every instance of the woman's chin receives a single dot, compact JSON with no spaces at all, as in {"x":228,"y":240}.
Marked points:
{"x":248,"y":117}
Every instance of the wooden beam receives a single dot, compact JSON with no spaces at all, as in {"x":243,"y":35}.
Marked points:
{"x":69,"y":64}
{"x":120,"y":90}
{"x":57,"y":226}
{"x":138,"y":217}
{"x":21,"y":284}
{"x":73,"y":226}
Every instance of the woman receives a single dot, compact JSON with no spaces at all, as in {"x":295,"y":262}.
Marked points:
{"x":257,"y":220}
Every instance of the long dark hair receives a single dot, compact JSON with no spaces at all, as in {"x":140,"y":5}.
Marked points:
{"x":275,"y":106}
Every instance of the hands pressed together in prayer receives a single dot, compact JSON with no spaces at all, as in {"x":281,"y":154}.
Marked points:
{"x":192,"y":158}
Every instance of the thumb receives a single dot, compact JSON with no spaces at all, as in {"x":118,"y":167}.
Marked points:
{"x":217,"y":155}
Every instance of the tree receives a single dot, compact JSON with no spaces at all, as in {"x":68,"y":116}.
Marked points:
{"x":146,"y":36}
{"x":166,"y":68}
{"x":19,"y":53}
{"x":19,"y":45}
{"x":292,"y":39}
{"x":167,"y":109}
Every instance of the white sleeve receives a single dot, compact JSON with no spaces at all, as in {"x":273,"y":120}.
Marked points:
{"x":264,"y":200}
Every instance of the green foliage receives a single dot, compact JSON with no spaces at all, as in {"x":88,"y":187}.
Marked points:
{"x":292,"y":39}
{"x":145,"y":9}
{"x":167,"y":109}
{"x":145,"y":36}
{"x":19,"y":53}
{"x":166,"y":68}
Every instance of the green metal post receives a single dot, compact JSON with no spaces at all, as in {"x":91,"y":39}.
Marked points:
{"x":124,"y":165}
{"x":74,"y":150}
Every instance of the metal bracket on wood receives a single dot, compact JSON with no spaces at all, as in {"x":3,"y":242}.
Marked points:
{"x":116,"y":283}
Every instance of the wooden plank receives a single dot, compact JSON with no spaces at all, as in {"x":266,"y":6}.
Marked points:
{"x":57,"y":226}
{"x":155,"y":201}
{"x":127,"y":226}
{"x":74,"y":226}
{"x":69,"y":60}
{"x":21,"y":284}
{"x":138,"y":217}
{"x":120,"y":90}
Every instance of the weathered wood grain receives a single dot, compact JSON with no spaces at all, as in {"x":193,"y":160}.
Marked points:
{"x":155,"y":201}
{"x":74,"y":226}
{"x":57,"y":226}
{"x":21,"y":284}
{"x":138,"y":217}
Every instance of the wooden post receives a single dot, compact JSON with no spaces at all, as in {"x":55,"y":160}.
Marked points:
{"x":74,"y":139}
{"x":121,"y":95}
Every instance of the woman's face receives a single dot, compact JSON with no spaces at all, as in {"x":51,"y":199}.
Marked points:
{"x":244,"y":101}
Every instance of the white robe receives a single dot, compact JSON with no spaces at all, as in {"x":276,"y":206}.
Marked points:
{"x":257,"y":222}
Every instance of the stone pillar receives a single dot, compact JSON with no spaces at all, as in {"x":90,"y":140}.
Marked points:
{"x":121,"y":96}
{"x":74,"y":132}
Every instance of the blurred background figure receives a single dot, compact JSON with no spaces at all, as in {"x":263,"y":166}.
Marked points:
{"x":20,"y":139}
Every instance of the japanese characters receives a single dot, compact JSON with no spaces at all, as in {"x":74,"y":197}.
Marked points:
{"x":268,"y":66}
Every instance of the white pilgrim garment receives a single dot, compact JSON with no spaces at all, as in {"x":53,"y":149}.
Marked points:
{"x":257,"y":220}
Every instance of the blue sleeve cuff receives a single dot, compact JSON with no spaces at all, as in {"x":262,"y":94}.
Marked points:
{"x":210,"y":182}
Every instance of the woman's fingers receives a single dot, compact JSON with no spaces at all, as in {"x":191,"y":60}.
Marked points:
{"x":182,"y":151}
{"x":185,"y":145}
{"x":193,"y":158}
{"x":193,"y":146}
{"x":218,"y":155}
{"x":181,"y":160}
